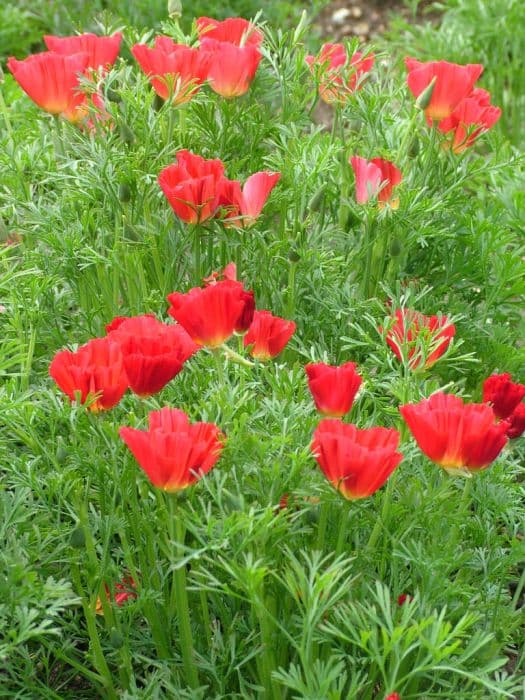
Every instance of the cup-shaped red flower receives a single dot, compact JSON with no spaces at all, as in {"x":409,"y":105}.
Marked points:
{"x":101,"y":50}
{"x":232,"y":68}
{"x":234,"y":30}
{"x":376,"y":177}
{"x":268,"y":335}
{"x":243,"y":207}
{"x":472,"y":117}
{"x":333,"y":388}
{"x":212,"y":314}
{"x":516,"y":422}
{"x":418,"y":339}
{"x":339,"y":74}
{"x":460,"y":437}
{"x":192,"y":186}
{"x":95,"y":373}
{"x":154,"y":352}
{"x":503,"y":394}
{"x":173,"y":452}
{"x":52,"y":82}
{"x":453,"y":82}
{"x":175,"y":71}
{"x":357,"y":462}
{"x":124,"y":590}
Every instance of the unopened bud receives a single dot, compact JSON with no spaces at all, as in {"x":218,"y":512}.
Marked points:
{"x":293,"y":255}
{"x":116,"y":639}
{"x":124,"y":192}
{"x":174,"y":8}
{"x":317,"y":198}
{"x":395,"y":248}
{"x":61,"y":452}
{"x":113,"y":95}
{"x":158,"y":102}
{"x":78,"y":538}
{"x":424,"y":98}
{"x":126,"y":134}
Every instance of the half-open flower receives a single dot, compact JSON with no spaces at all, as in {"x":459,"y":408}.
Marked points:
{"x":460,"y":437}
{"x":242,"y":207}
{"x":102,"y":51}
{"x":192,"y":186}
{"x":357,"y":462}
{"x":333,"y":388}
{"x":376,"y":177}
{"x":212,"y":314}
{"x":452,"y":83}
{"x":418,"y":339}
{"x":154,"y":352}
{"x":472,"y":117}
{"x":503,"y":394}
{"x":232,"y":68}
{"x":173,"y":452}
{"x":338,"y":74}
{"x":268,"y":335}
{"x":234,"y":30}
{"x":94,"y":373}
{"x":175,"y":71}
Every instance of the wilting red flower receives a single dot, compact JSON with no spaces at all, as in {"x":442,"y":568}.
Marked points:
{"x":212,"y":314}
{"x":229,"y":273}
{"x":453,"y":83}
{"x":503,"y":394}
{"x":52,"y":82}
{"x":338,"y":73}
{"x":245,"y":205}
{"x":375,"y":177}
{"x":154,"y":352}
{"x":472,"y":117}
{"x":357,"y":462}
{"x":516,"y":422}
{"x":234,"y":30}
{"x":101,"y":50}
{"x":333,"y":388}
{"x":420,"y":339}
{"x":268,"y":335}
{"x":94,"y":371}
{"x":175,"y":71}
{"x":458,"y":436}
{"x":124,"y":590}
{"x":173,"y":452}
{"x":232,"y":68}
{"x":192,"y":186}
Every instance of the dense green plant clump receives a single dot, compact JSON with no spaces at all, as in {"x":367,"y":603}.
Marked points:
{"x":385,"y":238}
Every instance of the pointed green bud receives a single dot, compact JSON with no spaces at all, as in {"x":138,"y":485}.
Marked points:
{"x":423,"y":100}
{"x":317,"y":198}
{"x":116,"y":639}
{"x":78,"y":538}
{"x":174,"y":8}
{"x":395,"y":248}
{"x":61,"y":453}
{"x":124,"y":192}
{"x":293,"y":255}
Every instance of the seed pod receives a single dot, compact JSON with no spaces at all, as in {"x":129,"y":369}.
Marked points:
{"x":124,"y":192}
{"x":78,"y":538}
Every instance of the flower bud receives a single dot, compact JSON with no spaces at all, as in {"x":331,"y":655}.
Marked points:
{"x":174,"y":8}
{"x":317,"y":198}
{"x":293,"y":255}
{"x":158,"y":102}
{"x":113,"y":95}
{"x":124,"y":192}
{"x":424,"y":98}
{"x":395,"y":248}
{"x":78,"y":538}
{"x":61,"y":452}
{"x":116,"y":639}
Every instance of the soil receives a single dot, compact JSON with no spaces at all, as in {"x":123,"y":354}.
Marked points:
{"x":363,"y":19}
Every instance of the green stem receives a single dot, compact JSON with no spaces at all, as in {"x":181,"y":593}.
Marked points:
{"x":197,"y":271}
{"x":380,"y":522}
{"x":408,"y":137}
{"x":181,"y":597}
{"x":343,"y":528}
{"x":369,"y":243}
{"x":323,"y":522}
{"x":290,"y":306}
{"x":59,"y":143}
{"x":5,"y":114}
{"x":234,"y":356}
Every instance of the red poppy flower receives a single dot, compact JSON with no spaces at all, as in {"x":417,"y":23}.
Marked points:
{"x":192,"y":186}
{"x":420,"y":339}
{"x":234,"y":30}
{"x":246,"y":205}
{"x":453,"y":83}
{"x":175,"y":71}
{"x":212,"y":314}
{"x":95,"y":371}
{"x":124,"y":590}
{"x":174,"y":453}
{"x":403,"y":598}
{"x":52,"y":82}
{"x":268,"y":335}
{"x":333,"y":388}
{"x":357,"y":462}
{"x":458,"y":436}
{"x":393,"y":696}
{"x":232,"y":68}
{"x":472,"y":117}
{"x":503,"y":394}
{"x":516,"y":422}
{"x":375,"y":177}
{"x":101,"y":50}
{"x":338,"y":73}
{"x":154,"y":352}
